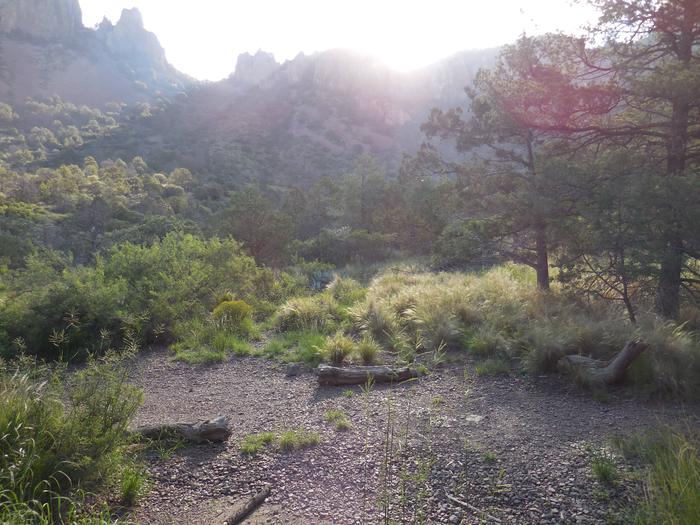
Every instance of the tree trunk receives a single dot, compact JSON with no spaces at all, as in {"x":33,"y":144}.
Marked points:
{"x":595,"y":372}
{"x":669,"y":285}
{"x":358,"y":375}
{"x":212,"y":430}
{"x":542,"y":257}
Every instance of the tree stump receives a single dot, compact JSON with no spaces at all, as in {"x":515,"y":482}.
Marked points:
{"x":212,"y":430}
{"x":594,"y":371}
{"x":359,"y":375}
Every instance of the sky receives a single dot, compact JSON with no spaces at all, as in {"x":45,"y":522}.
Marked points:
{"x":203,"y":38}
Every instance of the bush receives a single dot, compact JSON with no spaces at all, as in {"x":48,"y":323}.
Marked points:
{"x":235,"y":317}
{"x":133,"y":294}
{"x":52,"y":449}
{"x":368,"y":350}
{"x":337,"y":348}
{"x":320,"y":313}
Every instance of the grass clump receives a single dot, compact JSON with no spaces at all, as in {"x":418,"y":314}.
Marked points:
{"x":297,"y":439}
{"x":337,"y":348}
{"x":254,"y":443}
{"x":205,"y":342}
{"x":297,"y":346}
{"x":337,"y":418}
{"x":368,"y":350}
{"x":604,"y":469}
{"x":492,"y":367}
{"x":132,"y":485}
{"x":671,"y":477}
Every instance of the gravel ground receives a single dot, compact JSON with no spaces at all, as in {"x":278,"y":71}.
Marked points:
{"x":450,"y":448}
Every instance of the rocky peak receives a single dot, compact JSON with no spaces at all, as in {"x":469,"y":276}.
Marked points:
{"x":48,"y":20}
{"x":253,"y":69}
{"x":129,"y":39}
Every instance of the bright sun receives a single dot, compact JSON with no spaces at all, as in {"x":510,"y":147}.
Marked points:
{"x":203,"y":39}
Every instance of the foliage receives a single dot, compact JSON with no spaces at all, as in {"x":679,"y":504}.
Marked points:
{"x":234,"y":316}
{"x":671,"y":477}
{"x":337,"y":348}
{"x":368,"y":350}
{"x":499,"y":315}
{"x":297,"y":346}
{"x":51,"y":448}
{"x":135,"y":294}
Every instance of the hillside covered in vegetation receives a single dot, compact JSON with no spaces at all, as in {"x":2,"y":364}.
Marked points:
{"x":513,"y":231}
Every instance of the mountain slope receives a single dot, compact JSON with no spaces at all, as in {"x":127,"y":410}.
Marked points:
{"x":46,"y":51}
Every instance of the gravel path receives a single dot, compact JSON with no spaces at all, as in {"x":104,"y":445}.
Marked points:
{"x":450,"y":448}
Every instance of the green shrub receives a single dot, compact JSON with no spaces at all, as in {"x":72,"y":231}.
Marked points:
{"x":234,"y":317}
{"x":368,"y":350}
{"x":60,"y":435}
{"x":337,"y":348}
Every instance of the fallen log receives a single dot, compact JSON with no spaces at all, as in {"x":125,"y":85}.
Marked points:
{"x":359,"y":375}
{"x":212,"y":430}
{"x":594,"y":371}
{"x":250,"y":507}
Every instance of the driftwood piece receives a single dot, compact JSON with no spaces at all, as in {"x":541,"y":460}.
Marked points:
{"x":358,"y":375}
{"x":472,"y":508}
{"x":250,"y":507}
{"x":594,"y":371}
{"x":212,"y":430}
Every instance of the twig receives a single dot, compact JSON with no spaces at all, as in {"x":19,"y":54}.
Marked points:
{"x":471,"y":507}
{"x":249,"y":507}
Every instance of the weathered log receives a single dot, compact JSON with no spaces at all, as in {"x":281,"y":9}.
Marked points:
{"x":594,"y":371}
{"x":358,"y":375}
{"x":250,"y":507}
{"x":212,"y":430}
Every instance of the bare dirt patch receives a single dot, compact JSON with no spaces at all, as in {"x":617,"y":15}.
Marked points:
{"x":514,"y":449}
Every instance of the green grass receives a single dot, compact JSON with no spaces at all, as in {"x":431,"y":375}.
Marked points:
{"x":61,"y":435}
{"x":492,"y":367}
{"x":348,"y":393}
{"x":286,"y":441}
{"x":296,"y":346}
{"x":254,"y":443}
{"x":337,"y":349}
{"x":490,"y":456}
{"x":297,"y":439}
{"x":671,"y":476}
{"x":132,"y":485}
{"x":604,"y":469}
{"x":338,"y":418}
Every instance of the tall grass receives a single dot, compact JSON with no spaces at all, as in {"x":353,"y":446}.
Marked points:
{"x":499,"y":314}
{"x":59,"y":435}
{"x":672,"y":477}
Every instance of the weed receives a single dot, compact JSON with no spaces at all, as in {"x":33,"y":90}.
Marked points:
{"x":338,"y":418}
{"x":253,"y":444}
{"x":492,"y":366}
{"x":368,"y":350}
{"x":604,"y":469}
{"x":297,"y":439}
{"x":133,"y":484}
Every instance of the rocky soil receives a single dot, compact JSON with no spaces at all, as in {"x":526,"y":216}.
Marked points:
{"x":450,"y":448}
